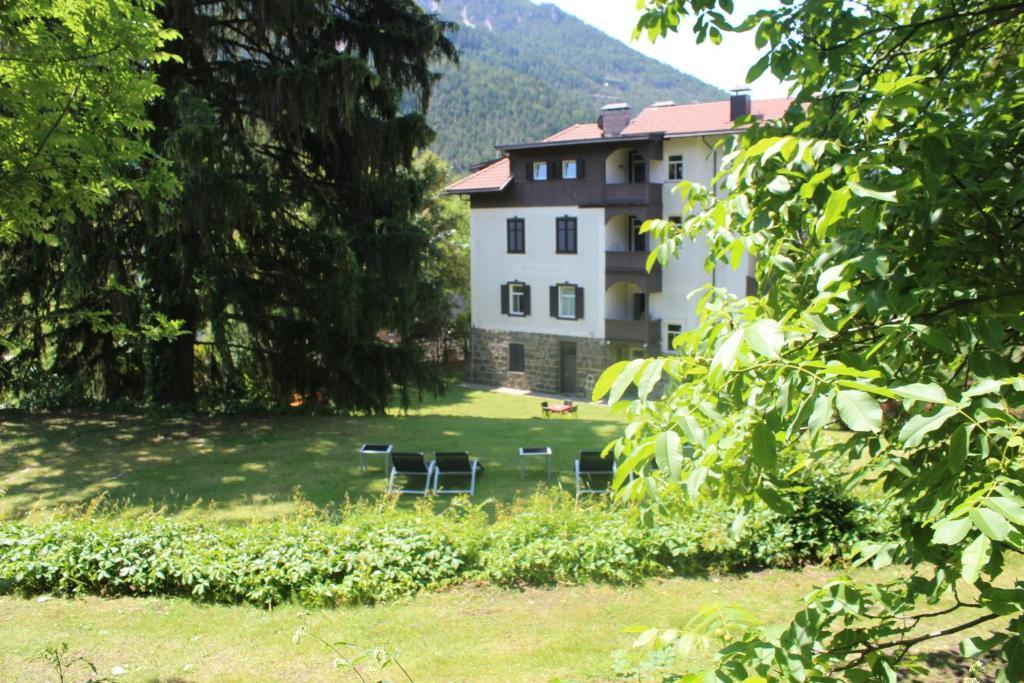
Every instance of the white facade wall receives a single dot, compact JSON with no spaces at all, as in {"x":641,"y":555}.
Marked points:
{"x":540,"y":267}
{"x":687,"y":273}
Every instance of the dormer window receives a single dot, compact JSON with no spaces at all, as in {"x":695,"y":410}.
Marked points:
{"x":540,"y":170}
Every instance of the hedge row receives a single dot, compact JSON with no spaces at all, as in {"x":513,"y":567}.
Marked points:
{"x":377,"y":554}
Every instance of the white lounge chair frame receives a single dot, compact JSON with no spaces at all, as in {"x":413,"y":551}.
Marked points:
{"x":474,"y":466}
{"x":427,"y":476}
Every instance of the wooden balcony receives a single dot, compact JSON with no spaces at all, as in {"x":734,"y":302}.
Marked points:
{"x":631,"y":266}
{"x":633,"y":331}
{"x":632,"y":194}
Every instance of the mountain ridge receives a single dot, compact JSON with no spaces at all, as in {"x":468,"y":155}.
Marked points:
{"x":527,"y":71}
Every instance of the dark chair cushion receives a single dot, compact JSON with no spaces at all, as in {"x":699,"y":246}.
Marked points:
{"x":408,"y":463}
{"x":592,"y":462}
{"x":452,"y":461}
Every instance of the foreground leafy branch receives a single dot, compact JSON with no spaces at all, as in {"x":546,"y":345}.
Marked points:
{"x":884,"y":213}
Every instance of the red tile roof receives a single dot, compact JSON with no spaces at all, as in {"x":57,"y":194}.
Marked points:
{"x":693,"y":119}
{"x":493,"y":177}
{"x":577,"y":131}
{"x":675,"y":119}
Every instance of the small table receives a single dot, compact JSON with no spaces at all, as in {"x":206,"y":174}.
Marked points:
{"x":376,"y":449}
{"x":526,"y":452}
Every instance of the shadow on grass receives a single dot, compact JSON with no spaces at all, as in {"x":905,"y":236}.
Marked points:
{"x":950,"y":665}
{"x":249,"y":466}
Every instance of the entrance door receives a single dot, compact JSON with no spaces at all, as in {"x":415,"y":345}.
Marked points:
{"x":567,"y":366}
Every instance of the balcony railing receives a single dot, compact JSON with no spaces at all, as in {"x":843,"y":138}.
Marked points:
{"x":635,"y":331}
{"x":631,"y":266}
{"x":626,"y":261}
{"x":632,"y":193}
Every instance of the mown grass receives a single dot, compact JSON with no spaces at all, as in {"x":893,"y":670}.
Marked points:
{"x":467,"y":634}
{"x":241,"y":468}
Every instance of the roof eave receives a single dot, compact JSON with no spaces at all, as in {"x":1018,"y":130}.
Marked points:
{"x":587,"y":141}
{"x":702,"y":133}
{"x":482,"y":190}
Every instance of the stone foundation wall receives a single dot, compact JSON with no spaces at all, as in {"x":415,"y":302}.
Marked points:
{"x":489,"y":360}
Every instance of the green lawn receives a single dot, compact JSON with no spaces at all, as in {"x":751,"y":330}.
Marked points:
{"x":235,"y":469}
{"x":241,"y":468}
{"x":468,"y":634}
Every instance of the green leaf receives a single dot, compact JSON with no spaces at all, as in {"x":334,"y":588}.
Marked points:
{"x":859,"y":411}
{"x":668,"y":451}
{"x":763,"y":441}
{"x":862,"y":191}
{"x":607,"y":378}
{"x":834,"y":209}
{"x":690,"y":427}
{"x":984,"y":387}
{"x":977,"y":645}
{"x":830,"y":276}
{"x":649,"y":377}
{"x":725,"y":356}
{"x":990,"y":523}
{"x":928,"y":393}
{"x":780,"y":185}
{"x":919,"y":426}
{"x":822,"y":414}
{"x":627,"y":466}
{"x":958,"y":446}
{"x":696,"y":480}
{"x":765,"y":338}
{"x":951,"y":531}
{"x":759,"y":68}
{"x":869,"y":388}
{"x":974,"y":557}
{"x":775,"y":501}
{"x":1008,"y":509}
{"x":624,"y":379}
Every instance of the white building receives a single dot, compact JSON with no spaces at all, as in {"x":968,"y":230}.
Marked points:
{"x":558,"y":282}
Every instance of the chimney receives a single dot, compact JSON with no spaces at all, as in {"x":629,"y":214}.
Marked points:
{"x":739,"y":104}
{"x":613,"y":119}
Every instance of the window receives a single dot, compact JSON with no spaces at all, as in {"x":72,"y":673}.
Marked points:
{"x":675,"y":167}
{"x":516,"y":293}
{"x":516,"y":228}
{"x":565,"y":235}
{"x":639,"y":306}
{"x":637,"y":239}
{"x":567,"y":302}
{"x":751,"y":286}
{"x":516,"y":358}
{"x":673,"y":332}
{"x":515,"y":299}
{"x":678,"y":220}
{"x":569,"y":169}
{"x":637,"y":168}
{"x":540,"y":170}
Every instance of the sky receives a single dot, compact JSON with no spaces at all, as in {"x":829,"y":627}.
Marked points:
{"x":723,"y":65}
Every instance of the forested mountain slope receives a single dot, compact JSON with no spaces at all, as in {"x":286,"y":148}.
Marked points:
{"x":528,"y":70}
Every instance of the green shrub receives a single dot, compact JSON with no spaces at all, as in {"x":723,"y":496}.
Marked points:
{"x":368,"y":553}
